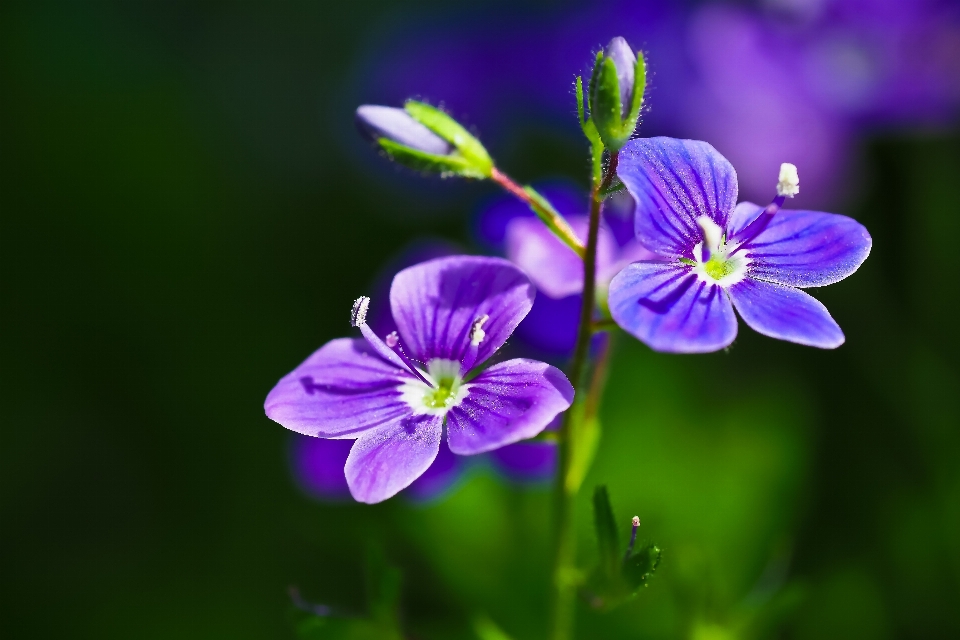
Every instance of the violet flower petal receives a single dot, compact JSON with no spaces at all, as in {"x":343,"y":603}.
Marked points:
{"x":553,"y":266}
{"x":552,"y":324}
{"x":785,"y":313}
{"x":808,"y":249}
{"x":343,"y":389}
{"x":510,"y":401}
{"x":674,"y":182}
{"x":670,"y":309}
{"x":435,"y":303}
{"x":625,"y":61}
{"x":397,"y":125}
{"x":384,"y":461}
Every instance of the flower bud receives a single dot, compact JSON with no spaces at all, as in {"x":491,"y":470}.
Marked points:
{"x":396,"y":125}
{"x":616,"y":92}
{"x":424,"y":138}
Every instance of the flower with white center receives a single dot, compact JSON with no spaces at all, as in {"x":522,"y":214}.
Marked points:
{"x":714,"y":255}
{"x":396,"y":396}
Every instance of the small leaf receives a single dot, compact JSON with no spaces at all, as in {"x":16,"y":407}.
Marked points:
{"x":640,"y":566}
{"x":608,"y":541}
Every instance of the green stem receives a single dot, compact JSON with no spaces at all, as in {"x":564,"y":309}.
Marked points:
{"x":544,"y":210}
{"x":565,"y":576}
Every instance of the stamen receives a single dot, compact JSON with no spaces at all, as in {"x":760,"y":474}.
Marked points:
{"x":393,"y":341}
{"x":788,"y":185}
{"x":712,"y":237}
{"x":358,"y":318}
{"x":358,"y":315}
{"x":633,"y":537}
{"x":477,"y":334}
{"x":789,"y":180}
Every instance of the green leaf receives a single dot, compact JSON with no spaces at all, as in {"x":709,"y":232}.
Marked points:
{"x":474,"y":153}
{"x":638,"y":568}
{"x":608,"y":542}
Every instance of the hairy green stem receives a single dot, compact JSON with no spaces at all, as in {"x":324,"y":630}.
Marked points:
{"x":565,"y":575}
{"x":542,"y":207}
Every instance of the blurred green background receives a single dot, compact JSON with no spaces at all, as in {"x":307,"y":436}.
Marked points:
{"x":184,"y":220}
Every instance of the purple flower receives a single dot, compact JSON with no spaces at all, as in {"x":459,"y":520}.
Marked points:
{"x":716,"y":255}
{"x":395,"y":396}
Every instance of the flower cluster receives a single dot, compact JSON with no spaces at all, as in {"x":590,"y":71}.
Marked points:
{"x":674,"y":276}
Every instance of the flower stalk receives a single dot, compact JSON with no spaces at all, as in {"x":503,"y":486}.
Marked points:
{"x":542,"y":207}
{"x":565,"y":574}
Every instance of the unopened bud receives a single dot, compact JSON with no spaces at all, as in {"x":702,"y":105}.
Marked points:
{"x":616,"y":92}
{"x":396,"y":125}
{"x":625,"y":60}
{"x":425,"y":138}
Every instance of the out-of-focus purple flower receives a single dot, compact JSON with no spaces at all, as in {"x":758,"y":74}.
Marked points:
{"x":526,"y":462}
{"x":555,"y":268}
{"x":716,"y":255}
{"x":508,"y":226}
{"x":395,"y":395}
{"x":398,"y":126}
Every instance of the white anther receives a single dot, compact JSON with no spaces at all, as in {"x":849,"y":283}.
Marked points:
{"x":477,"y":334}
{"x":358,"y":315}
{"x":712,"y":233}
{"x":789,"y":180}
{"x":636,"y":521}
{"x":392,"y":339}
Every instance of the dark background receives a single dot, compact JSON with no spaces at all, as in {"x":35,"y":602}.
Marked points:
{"x":186,"y":214}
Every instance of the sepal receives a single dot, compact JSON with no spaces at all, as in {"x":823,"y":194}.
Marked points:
{"x":470,"y":159}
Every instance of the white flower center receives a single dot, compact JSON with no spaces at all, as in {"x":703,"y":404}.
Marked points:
{"x":719,"y":267}
{"x":447,"y":391}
